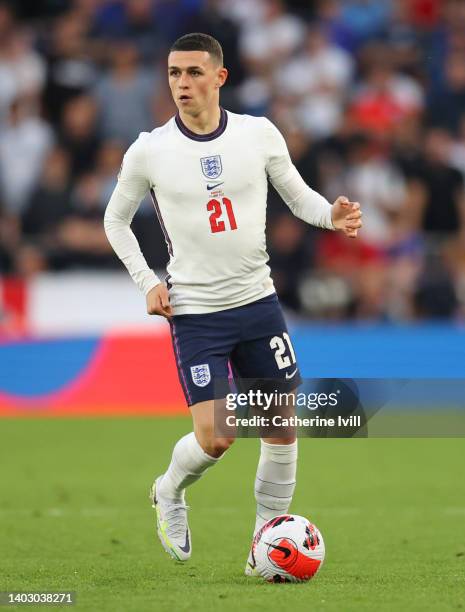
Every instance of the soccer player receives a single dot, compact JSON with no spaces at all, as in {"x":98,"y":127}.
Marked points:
{"x":207,"y":172}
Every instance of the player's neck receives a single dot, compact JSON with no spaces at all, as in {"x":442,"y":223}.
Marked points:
{"x":205,"y":122}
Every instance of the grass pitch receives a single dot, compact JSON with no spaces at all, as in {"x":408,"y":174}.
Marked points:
{"x":75,"y":515}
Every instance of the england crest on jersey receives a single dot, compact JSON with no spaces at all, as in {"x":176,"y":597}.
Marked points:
{"x":211,"y":166}
{"x":201,"y":374}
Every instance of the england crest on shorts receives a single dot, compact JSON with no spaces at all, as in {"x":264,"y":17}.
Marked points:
{"x":201,"y":374}
{"x":211,"y":166}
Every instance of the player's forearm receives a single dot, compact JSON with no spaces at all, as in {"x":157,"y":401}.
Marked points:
{"x":117,"y":222}
{"x":305,"y":203}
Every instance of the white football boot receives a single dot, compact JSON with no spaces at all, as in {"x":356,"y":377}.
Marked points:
{"x":250,"y":568}
{"x":172,"y":527}
{"x":251,"y":565}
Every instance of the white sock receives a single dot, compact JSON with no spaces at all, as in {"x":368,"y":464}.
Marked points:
{"x":275,"y":480}
{"x":188,"y":462}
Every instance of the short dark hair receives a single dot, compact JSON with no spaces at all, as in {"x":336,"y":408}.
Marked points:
{"x":199,"y":42}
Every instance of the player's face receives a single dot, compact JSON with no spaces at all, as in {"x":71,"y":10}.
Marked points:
{"x":194,"y":80}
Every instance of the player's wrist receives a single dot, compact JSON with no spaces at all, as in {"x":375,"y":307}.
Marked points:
{"x":150,"y":282}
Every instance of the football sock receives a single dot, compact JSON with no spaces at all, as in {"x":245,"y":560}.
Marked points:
{"x":275,"y":480}
{"x":188,"y":462}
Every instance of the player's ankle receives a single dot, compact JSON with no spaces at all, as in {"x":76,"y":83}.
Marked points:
{"x":168,"y":492}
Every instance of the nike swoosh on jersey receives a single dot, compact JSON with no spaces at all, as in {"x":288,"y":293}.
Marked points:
{"x":286,"y":551}
{"x":186,"y":548}
{"x":292,"y":374}
{"x":210,"y":187}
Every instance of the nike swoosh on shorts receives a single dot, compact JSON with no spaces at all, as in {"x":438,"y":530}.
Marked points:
{"x":292,"y":374}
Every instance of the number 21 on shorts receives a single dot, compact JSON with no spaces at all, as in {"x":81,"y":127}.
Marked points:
{"x":278,"y":345}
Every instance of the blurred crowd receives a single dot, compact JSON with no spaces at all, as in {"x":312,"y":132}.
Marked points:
{"x":369,"y":95}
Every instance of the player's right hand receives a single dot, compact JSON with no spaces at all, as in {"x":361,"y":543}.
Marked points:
{"x":158,"y":301}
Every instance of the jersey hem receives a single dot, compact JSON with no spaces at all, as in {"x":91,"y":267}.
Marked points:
{"x":201,"y":309}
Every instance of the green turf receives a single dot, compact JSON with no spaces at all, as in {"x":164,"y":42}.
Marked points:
{"x":74,"y":515}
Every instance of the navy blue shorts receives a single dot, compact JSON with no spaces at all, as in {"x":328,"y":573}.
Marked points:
{"x":248,"y":342}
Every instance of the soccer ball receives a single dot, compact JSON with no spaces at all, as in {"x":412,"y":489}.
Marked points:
{"x":288,"y":548}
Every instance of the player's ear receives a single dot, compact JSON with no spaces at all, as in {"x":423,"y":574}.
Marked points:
{"x":221,"y":77}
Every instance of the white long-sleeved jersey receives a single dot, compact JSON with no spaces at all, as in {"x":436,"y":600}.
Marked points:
{"x":209,"y":193}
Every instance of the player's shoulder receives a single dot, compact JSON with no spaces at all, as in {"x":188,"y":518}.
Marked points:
{"x":260,"y":130}
{"x":160,"y":134}
{"x":157,"y":137}
{"x":250,"y":122}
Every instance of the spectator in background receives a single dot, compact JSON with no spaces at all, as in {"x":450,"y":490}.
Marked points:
{"x":383,"y":97}
{"x":151,"y":25}
{"x":49,"y":203}
{"x":78,"y":133}
{"x":47,"y":207}
{"x":448,"y":36}
{"x":366,"y":19}
{"x":316,"y":82}
{"x":404,"y":39}
{"x":438,"y":189}
{"x":457,"y":150}
{"x":108,"y":163}
{"x":22,"y":70}
{"x":329,"y":16}
{"x":447,"y":104}
{"x":10,"y":240}
{"x":423,"y":14}
{"x":124,"y":95}
{"x":362,"y":270}
{"x":406,"y":145}
{"x":304,"y":155}
{"x":290,"y":257}
{"x":271,"y":40}
{"x":243,"y":12}
{"x":81,"y":239}
{"x":71,"y":71}
{"x":371,"y":178}
{"x":25,"y":141}
{"x":8,"y":81}
{"x":135,"y":21}
{"x":264,"y":45}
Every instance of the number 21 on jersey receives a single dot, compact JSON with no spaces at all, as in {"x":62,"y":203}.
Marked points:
{"x":217,"y":217}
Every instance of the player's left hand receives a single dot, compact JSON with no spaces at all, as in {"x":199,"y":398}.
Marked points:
{"x":346,"y":216}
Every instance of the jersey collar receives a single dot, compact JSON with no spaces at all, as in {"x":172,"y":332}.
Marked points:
{"x":204,"y":137}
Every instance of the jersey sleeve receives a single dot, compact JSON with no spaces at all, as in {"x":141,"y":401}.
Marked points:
{"x":304,"y":202}
{"x":132,"y":186}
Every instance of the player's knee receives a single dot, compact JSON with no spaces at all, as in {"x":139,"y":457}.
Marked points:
{"x":212,"y":443}
{"x":218,"y":446}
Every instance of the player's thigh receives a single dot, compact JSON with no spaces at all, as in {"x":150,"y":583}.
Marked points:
{"x":266,"y":350}
{"x":265,"y":360}
{"x":202,"y":345}
{"x":269,"y":357}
